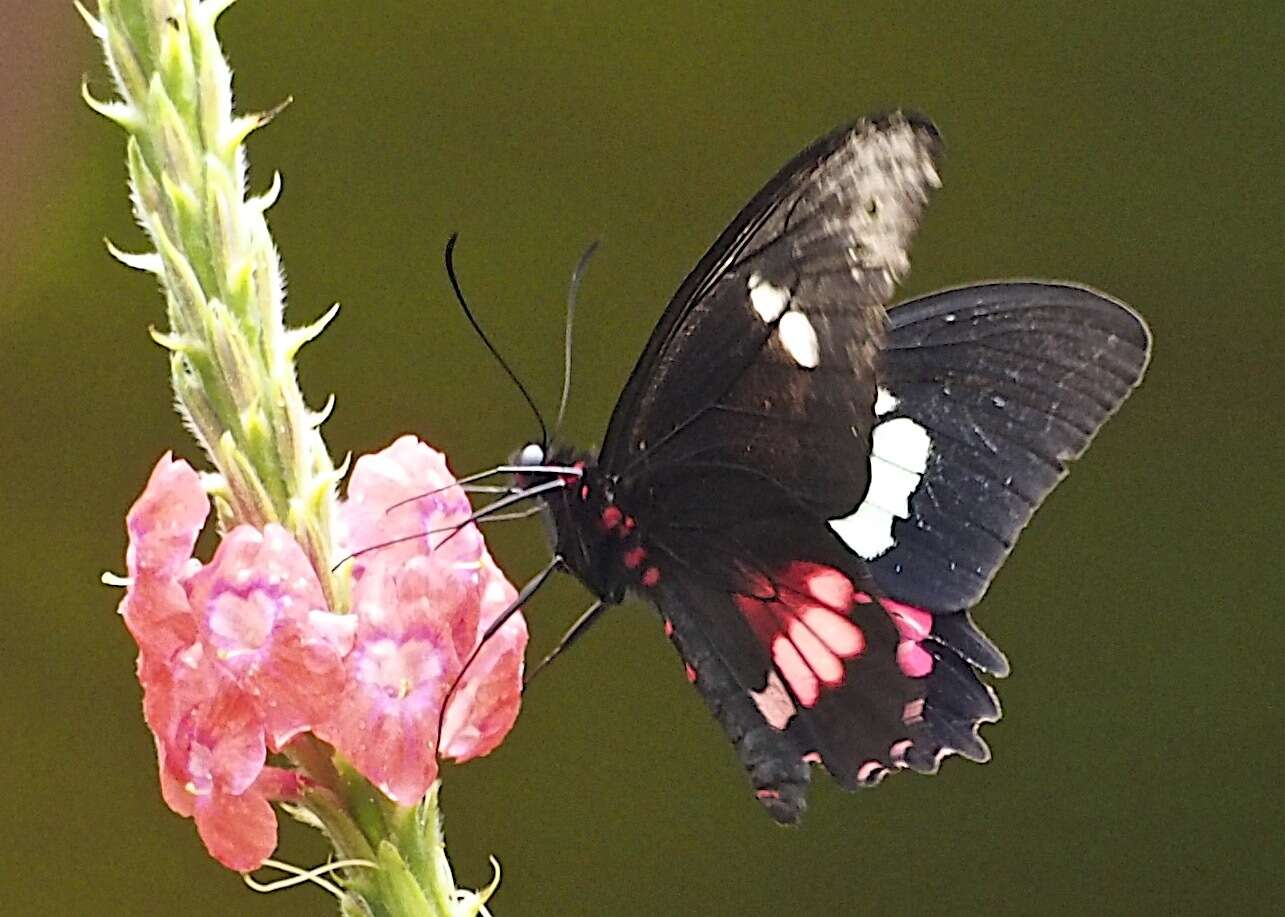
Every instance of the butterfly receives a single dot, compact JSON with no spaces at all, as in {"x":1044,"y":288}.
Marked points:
{"x":814,"y":490}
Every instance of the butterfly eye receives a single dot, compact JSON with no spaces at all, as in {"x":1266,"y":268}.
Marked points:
{"x":531,"y":454}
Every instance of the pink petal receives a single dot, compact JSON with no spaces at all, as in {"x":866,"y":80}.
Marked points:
{"x":445,"y":595}
{"x":157,"y":613}
{"x":233,"y":727}
{"x":240,"y":831}
{"x":173,"y":686}
{"x":371,"y":515}
{"x":486,"y":702}
{"x":299,"y":685}
{"x":386,"y":723}
{"x":261,"y":611}
{"x":173,"y":787}
{"x":165,"y":520}
{"x":255,"y":580}
{"x":421,"y":604}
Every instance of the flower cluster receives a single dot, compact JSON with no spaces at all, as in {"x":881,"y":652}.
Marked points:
{"x":241,"y":657}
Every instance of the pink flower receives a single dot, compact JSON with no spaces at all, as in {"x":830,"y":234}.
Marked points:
{"x":422,"y":604}
{"x":261,"y":611}
{"x":234,"y":658}
{"x":238,"y":657}
{"x":210,"y":746}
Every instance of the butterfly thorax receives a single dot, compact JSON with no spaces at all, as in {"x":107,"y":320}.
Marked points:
{"x":597,"y":536}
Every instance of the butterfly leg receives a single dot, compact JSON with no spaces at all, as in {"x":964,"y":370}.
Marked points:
{"x":571,"y":636}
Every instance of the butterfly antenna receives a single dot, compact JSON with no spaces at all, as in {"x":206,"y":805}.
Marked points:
{"x":577,"y":277}
{"x":459,"y":295}
{"x":488,"y":512}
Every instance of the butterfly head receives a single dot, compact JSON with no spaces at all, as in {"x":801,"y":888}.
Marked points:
{"x":530,"y":455}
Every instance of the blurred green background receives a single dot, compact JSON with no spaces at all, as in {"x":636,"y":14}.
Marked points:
{"x":1134,"y":147}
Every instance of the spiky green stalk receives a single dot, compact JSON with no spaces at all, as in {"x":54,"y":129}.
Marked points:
{"x":232,"y":369}
{"x":231,"y":355}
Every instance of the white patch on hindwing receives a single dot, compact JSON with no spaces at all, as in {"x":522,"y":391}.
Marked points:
{"x":899,"y":452}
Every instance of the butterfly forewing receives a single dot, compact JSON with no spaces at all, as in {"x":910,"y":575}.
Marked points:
{"x":764,"y":358}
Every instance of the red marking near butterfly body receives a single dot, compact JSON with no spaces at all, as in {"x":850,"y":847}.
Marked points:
{"x":634,"y":557}
{"x":650,"y":577}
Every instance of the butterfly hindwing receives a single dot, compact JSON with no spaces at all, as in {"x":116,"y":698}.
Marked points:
{"x":800,"y":662}
{"x":985,"y":394}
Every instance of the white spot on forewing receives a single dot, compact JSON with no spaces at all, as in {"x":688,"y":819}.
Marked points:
{"x":774,"y":702}
{"x":768,"y":300}
{"x":799,"y":339}
{"x":898,"y":459}
{"x":885,"y":402}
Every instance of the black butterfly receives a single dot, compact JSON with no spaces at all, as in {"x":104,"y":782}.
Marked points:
{"x":814,"y":490}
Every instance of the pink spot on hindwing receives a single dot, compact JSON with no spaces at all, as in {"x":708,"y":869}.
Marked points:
{"x":825,"y":584}
{"x":650,"y":577}
{"x":898,"y":752}
{"x":913,"y":660}
{"x":913,"y":625}
{"x":802,"y":617}
{"x":819,"y":657}
{"x":841,"y":636}
{"x":870,"y":773}
{"x":798,"y":674}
